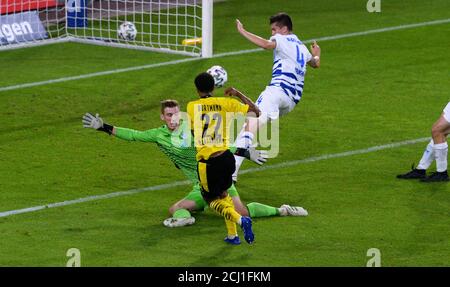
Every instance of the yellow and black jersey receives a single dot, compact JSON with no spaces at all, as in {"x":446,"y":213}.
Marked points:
{"x":210,"y":122}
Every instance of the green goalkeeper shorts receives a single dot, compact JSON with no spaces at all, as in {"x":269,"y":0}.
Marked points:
{"x":196,"y":196}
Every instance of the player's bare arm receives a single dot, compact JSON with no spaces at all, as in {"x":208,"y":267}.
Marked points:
{"x":255,"y":39}
{"x":315,"y":52}
{"x":246,"y":100}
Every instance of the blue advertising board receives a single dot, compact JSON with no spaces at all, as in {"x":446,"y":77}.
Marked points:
{"x":21,"y":27}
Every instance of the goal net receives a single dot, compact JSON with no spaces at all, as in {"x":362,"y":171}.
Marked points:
{"x":173,"y":26}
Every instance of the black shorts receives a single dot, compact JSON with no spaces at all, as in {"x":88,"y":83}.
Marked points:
{"x":215,"y":175}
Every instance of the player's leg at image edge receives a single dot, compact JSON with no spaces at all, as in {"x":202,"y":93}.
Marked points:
{"x":437,"y":149}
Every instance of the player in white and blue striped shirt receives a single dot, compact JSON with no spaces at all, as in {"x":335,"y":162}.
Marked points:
{"x":288,"y":75}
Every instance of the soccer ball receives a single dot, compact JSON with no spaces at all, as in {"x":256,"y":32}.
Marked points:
{"x":219,"y":74}
{"x":127,"y":31}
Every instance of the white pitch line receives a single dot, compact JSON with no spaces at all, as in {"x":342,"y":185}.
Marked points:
{"x":94,"y":197}
{"x":104,"y":73}
{"x":220,"y":55}
{"x":187,"y":182}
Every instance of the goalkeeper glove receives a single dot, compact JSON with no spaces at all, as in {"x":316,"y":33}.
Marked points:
{"x":255,"y":155}
{"x":96,"y":122}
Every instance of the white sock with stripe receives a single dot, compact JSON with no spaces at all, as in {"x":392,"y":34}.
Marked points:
{"x":245,"y":140}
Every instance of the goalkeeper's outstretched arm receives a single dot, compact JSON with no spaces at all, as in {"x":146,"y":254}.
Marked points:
{"x":96,"y":122}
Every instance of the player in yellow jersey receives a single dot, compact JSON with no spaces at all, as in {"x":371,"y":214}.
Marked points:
{"x":210,"y":122}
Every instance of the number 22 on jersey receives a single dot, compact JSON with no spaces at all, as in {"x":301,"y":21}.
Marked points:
{"x":211,"y":129}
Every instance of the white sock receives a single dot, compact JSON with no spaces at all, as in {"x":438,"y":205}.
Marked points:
{"x":239,"y":160}
{"x":245,"y":140}
{"x":441,"y":151}
{"x":427,"y":157}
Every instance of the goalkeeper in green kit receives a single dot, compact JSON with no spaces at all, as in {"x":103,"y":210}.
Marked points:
{"x":175,"y":141}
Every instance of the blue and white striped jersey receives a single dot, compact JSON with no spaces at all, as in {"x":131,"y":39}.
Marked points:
{"x":289,"y":65}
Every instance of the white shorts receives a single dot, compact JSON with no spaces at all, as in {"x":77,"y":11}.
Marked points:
{"x":273,"y":102}
{"x":447,"y":112}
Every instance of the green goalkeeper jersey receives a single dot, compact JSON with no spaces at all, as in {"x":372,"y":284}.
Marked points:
{"x":177,"y":145}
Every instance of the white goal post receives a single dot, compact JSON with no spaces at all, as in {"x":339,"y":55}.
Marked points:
{"x":171,"y":26}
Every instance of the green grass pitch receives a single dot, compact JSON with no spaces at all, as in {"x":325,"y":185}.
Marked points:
{"x":371,"y":90}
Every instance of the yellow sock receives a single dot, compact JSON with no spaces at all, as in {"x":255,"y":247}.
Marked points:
{"x":231,"y":228}
{"x":225,"y":207}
